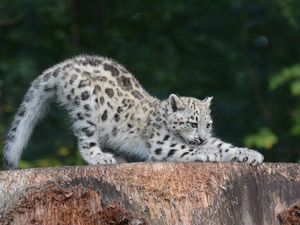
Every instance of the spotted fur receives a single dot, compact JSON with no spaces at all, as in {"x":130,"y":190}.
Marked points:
{"x":109,"y":109}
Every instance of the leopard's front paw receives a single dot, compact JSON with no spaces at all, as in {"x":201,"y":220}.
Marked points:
{"x":249,"y":156}
{"x":104,"y":158}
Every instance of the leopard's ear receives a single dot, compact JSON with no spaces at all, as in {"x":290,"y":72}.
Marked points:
{"x":175,"y":103}
{"x":208,"y":100}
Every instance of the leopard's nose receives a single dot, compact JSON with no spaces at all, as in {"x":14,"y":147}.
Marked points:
{"x":201,"y":140}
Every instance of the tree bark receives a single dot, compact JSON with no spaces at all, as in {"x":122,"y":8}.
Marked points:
{"x":150,"y":193}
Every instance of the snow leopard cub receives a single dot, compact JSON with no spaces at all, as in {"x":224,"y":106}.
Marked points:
{"x":109,"y":109}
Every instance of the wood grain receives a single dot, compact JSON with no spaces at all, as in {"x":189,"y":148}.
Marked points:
{"x":149,"y":193}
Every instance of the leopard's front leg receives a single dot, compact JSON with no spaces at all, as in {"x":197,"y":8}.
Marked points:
{"x":165,"y":148}
{"x":230,"y":153}
{"x":169,"y":149}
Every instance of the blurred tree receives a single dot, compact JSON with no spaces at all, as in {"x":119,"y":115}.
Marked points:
{"x":232,"y":50}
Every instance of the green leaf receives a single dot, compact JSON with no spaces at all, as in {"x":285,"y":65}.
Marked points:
{"x":289,"y":11}
{"x":295,"y":130}
{"x":264,"y":138}
{"x":295,"y":88}
{"x":285,"y":75}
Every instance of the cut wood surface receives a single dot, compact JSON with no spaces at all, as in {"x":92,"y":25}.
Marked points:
{"x":150,"y":193}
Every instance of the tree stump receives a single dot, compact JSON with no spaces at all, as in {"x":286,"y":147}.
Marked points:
{"x":151,"y":193}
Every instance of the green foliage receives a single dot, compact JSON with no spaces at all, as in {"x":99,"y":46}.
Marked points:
{"x":289,"y":74}
{"x":295,"y":130}
{"x":290,"y":10}
{"x":264,"y":138}
{"x":226,"y":48}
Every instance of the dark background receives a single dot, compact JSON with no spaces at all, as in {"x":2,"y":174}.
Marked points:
{"x":244,"y":53}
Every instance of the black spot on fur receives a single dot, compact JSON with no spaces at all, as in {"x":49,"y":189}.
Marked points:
{"x":22,"y":111}
{"x":109,"y":92}
{"x":87,"y":107}
{"x":137,"y":94}
{"x":101,"y":78}
{"x":11,"y":137}
{"x":119,"y":109}
{"x":86,"y":74}
{"x":73,"y":78}
{"x":85,"y":95}
{"x":171,"y":152}
{"x":101,"y":100}
{"x":112,"y":83}
{"x":79,"y":116}
{"x":83,"y":83}
{"x":245,"y":159}
{"x":158,"y":151}
{"x":104,"y":115}
{"x":183,"y":154}
{"x":166,"y":137}
{"x":87,"y":131}
{"x":77,"y":101}
{"x":97,"y":89}
{"x":119,"y":93}
{"x":67,"y":66}
{"x":114,"y":71}
{"x":227,"y":150}
{"x":17,"y":122}
{"x":93,"y":61}
{"x":91,"y":123}
{"x":82,"y":62}
{"x":92,"y":144}
{"x":220,"y":145}
{"x":173,"y":145}
{"x":117,"y":117}
{"x":159,"y":142}
{"x":46,"y":76}
{"x":114,"y":131}
{"x":56,"y":72}
{"x":124,"y":83}
{"x":109,"y":105}
{"x":182,"y":146}
{"x":47,"y":88}
{"x":69,"y":97}
{"x":208,"y":159}
{"x":129,"y":125}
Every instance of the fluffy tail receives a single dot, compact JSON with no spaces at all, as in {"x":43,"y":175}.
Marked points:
{"x":33,"y":107}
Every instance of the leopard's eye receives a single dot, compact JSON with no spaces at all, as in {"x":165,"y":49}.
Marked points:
{"x":194,"y":125}
{"x":208,"y":125}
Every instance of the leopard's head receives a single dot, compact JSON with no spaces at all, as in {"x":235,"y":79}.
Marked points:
{"x":189,"y":118}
